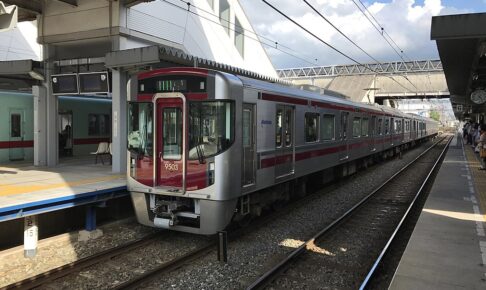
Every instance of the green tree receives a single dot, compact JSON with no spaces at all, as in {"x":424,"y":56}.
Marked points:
{"x":435,"y":115}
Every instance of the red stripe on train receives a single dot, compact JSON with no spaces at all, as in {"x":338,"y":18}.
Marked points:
{"x":16,"y":144}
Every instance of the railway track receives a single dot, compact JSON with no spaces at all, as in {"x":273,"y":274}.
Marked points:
{"x":64,"y":270}
{"x":176,"y":262}
{"x":347,"y":252}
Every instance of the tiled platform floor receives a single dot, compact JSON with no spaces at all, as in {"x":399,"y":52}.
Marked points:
{"x":24,"y":183}
{"x":447,"y":249}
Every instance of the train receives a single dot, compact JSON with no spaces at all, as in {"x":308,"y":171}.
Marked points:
{"x":207,"y":148}
{"x":83,"y":122}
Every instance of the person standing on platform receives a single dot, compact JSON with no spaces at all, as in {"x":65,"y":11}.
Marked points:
{"x":466,"y":128}
{"x":482,"y":147}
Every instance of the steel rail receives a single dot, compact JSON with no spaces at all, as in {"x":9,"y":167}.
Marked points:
{"x":80,"y":264}
{"x":270,"y":275}
{"x":405,"y":216}
{"x":166,"y":267}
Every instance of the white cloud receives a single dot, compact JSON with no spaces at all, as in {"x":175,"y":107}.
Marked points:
{"x":407,"y":22}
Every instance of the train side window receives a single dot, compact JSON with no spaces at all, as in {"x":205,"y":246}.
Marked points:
{"x":278,"y":137}
{"x":364,"y":127}
{"x":311,"y":127}
{"x":380,"y":125}
{"x":15,"y":125}
{"x":387,"y":126}
{"x":288,"y":127}
{"x":99,"y":125}
{"x":356,"y":127}
{"x":328,"y":127}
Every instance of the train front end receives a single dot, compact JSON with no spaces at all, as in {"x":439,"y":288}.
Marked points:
{"x":181,"y":142}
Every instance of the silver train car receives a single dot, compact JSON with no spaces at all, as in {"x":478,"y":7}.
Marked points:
{"x":207,"y":147}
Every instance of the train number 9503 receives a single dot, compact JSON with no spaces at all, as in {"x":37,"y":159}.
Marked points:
{"x":171,"y":167}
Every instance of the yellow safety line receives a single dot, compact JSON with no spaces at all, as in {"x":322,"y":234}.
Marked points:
{"x":479,"y":177}
{"x":8,"y":189}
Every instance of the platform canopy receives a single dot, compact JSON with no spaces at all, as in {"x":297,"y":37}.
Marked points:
{"x":20,"y":75}
{"x":138,"y":59}
{"x":29,"y":9}
{"x":462,"y":49}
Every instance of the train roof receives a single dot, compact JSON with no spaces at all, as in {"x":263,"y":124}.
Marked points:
{"x":298,"y":93}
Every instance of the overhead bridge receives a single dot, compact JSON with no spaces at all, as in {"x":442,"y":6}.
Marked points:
{"x":374,"y":81}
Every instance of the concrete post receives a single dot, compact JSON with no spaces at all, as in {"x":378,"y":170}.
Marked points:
{"x":51,"y":113}
{"x":31,"y":234}
{"x":40,"y":125}
{"x":119,"y":121}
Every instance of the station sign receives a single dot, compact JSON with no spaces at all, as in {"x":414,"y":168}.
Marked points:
{"x":65,"y":84}
{"x":90,"y":83}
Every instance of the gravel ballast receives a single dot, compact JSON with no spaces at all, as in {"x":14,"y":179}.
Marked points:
{"x":249,"y":256}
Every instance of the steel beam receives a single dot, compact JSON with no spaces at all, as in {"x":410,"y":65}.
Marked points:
{"x":397,"y":67}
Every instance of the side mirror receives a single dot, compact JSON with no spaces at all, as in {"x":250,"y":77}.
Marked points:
{"x":8,"y":17}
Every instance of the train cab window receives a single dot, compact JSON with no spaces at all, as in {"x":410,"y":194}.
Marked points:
{"x":172,"y":133}
{"x":392,"y":126}
{"x":311,"y":127}
{"x":328,"y":127}
{"x":364,"y":127}
{"x":278,"y":137}
{"x":211,"y":128}
{"x":356,"y":127}
{"x":140,"y":128}
{"x":387,"y":126}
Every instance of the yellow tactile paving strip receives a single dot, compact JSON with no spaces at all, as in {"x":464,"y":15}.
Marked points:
{"x":11,"y":189}
{"x":479,"y":176}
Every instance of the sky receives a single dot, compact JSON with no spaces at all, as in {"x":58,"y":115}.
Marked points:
{"x":406,"y":21}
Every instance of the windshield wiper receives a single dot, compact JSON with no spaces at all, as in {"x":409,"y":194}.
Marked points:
{"x":200,"y":153}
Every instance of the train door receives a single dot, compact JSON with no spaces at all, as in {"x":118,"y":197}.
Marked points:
{"x":170,"y":141}
{"x":284,"y":141}
{"x":343,"y":153}
{"x":249,"y":145}
{"x":414,"y":132}
{"x":16,"y":134}
{"x":372,"y":134}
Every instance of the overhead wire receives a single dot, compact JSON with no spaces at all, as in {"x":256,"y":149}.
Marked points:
{"x":381,"y":30}
{"x":328,"y":44}
{"x":273,"y":44}
{"x":340,"y":32}
{"x":349,"y":39}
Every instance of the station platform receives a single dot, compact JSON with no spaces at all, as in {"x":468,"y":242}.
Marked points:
{"x":27,"y":190}
{"x":447,"y":249}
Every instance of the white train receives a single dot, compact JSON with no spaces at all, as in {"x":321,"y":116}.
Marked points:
{"x":207,"y":147}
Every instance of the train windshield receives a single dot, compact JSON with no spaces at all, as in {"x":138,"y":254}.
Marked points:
{"x":140,"y":128}
{"x":211,"y":128}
